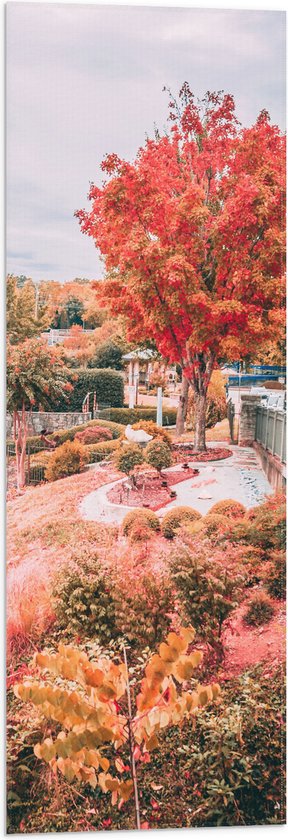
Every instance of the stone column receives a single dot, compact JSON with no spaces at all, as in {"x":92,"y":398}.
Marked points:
{"x":247,"y":419}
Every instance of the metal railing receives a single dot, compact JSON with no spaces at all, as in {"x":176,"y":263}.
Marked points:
{"x":271,"y":430}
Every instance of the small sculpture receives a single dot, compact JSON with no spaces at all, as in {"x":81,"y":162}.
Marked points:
{"x":137,"y":435}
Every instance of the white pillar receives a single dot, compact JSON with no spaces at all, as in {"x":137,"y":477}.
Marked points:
{"x":159,"y":419}
{"x":130,"y":373}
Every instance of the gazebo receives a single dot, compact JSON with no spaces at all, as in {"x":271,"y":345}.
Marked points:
{"x":139,"y":365}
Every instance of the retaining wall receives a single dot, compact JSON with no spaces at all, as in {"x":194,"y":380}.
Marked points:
{"x":50,"y":420}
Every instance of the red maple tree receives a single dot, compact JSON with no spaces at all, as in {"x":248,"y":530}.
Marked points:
{"x":193,"y":234}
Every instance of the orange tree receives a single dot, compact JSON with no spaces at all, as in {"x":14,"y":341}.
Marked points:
{"x":101,"y":714}
{"x":192,"y":233}
{"x":35,"y":375}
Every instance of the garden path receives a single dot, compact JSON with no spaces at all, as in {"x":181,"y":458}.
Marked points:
{"x":239,"y":477}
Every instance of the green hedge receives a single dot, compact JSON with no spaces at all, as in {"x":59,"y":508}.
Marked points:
{"x":108,"y":384}
{"x":62,"y":435}
{"x":99,"y":451}
{"x":132,"y":415}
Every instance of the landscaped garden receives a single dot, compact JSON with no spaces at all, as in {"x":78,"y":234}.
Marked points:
{"x":146,"y":550}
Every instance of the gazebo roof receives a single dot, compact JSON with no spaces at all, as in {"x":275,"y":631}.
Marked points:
{"x":142,"y":355}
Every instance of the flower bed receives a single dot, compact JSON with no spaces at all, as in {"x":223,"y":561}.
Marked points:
{"x":149,"y":491}
{"x":186,"y":450}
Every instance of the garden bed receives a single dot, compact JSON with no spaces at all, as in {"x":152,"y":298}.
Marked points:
{"x":186,"y":450}
{"x":150,"y":492}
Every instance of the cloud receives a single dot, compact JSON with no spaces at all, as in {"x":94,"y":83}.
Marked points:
{"x":85,"y":80}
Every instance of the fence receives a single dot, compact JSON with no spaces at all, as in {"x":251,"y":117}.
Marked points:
{"x":271,"y":431}
{"x":35,"y":463}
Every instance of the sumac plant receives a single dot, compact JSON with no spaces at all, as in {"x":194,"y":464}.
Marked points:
{"x":102,"y":711}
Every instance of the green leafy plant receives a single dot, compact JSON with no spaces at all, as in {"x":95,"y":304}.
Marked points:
{"x":66,"y":460}
{"x":128,"y":457}
{"x":174,"y":518}
{"x":260,"y":610}
{"x":108,"y":385}
{"x":228,"y":507}
{"x":207,"y":591}
{"x":142,"y":516}
{"x":82,"y":601}
{"x":93,"y":434}
{"x":99,"y":713}
{"x":158,"y":454}
{"x":275,"y":575}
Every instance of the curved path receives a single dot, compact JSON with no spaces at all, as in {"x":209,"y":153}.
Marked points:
{"x":238,"y":477}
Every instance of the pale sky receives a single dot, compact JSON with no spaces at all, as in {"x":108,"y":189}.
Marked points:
{"x":84,"y":80}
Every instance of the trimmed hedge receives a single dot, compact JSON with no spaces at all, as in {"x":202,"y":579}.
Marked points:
{"x":36,"y":444}
{"x":176,"y":517}
{"x":132,"y":415}
{"x":140,"y":516}
{"x":68,"y":459}
{"x":108,"y":384}
{"x":98,"y":451}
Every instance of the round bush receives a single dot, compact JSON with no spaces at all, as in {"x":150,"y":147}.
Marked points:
{"x":260,"y":611}
{"x":140,"y":532}
{"x":228,"y":507}
{"x":158,"y":454}
{"x":210,"y":525}
{"x":83,"y":602}
{"x":176,"y":517}
{"x":143,"y":516}
{"x":93,"y":435}
{"x":66,"y":460}
{"x":154,"y":430}
{"x":128,"y":456}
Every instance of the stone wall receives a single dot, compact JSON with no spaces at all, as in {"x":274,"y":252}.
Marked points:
{"x":247,"y":420}
{"x":50,"y":420}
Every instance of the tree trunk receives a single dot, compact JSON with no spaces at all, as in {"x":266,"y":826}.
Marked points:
{"x":200,"y":422}
{"x":20,"y":438}
{"x":182,"y":407}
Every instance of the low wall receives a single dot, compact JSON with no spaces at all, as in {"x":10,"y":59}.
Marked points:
{"x":271,"y":466}
{"x":50,"y":420}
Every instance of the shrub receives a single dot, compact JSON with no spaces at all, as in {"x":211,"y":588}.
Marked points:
{"x":82,"y":600}
{"x":260,"y":610}
{"x":176,"y":517}
{"x":228,"y":507}
{"x":99,"y":451}
{"x":66,"y":460}
{"x":207,"y":591}
{"x":275,"y":575}
{"x":128,"y":456}
{"x":108,"y":384}
{"x":268,"y":523}
{"x":158,"y":454}
{"x":108,"y":355}
{"x":140,"y":532}
{"x":210,"y":525}
{"x":154,"y":430}
{"x":93,"y":435}
{"x":234,"y":756}
{"x":140,"y":515}
{"x":132,"y":415}
{"x":144,"y":610}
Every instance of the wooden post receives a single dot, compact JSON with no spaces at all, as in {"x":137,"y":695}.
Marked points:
{"x":274,"y":431}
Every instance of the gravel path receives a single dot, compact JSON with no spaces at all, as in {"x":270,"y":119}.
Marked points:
{"x":239,"y":477}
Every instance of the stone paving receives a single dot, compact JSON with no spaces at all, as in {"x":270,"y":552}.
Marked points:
{"x":239,"y":477}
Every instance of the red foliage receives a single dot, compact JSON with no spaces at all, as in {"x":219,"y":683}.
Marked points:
{"x":196,"y":226}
